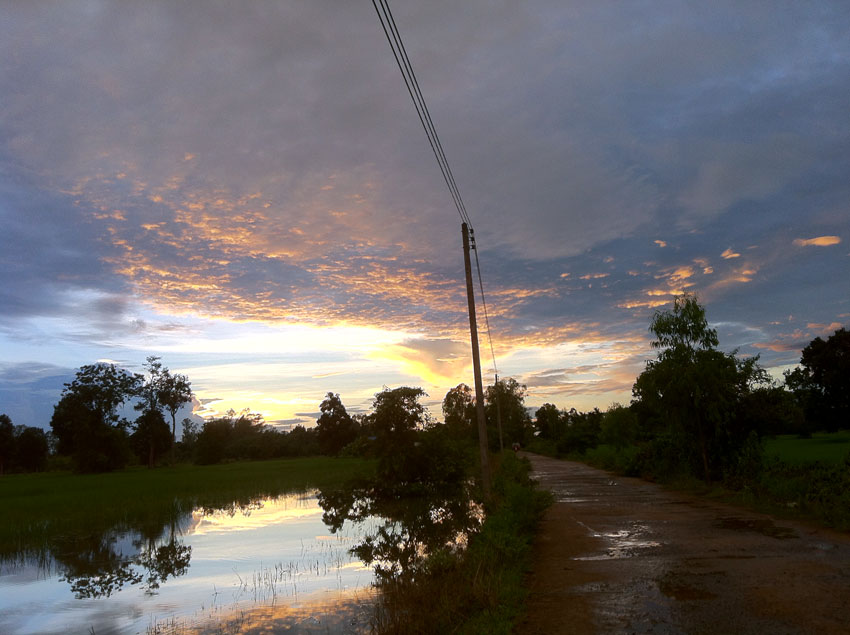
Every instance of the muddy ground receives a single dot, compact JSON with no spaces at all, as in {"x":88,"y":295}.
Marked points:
{"x":621,"y":555}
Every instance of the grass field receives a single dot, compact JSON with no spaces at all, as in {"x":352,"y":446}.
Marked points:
{"x":36,"y":506}
{"x":828,"y":448}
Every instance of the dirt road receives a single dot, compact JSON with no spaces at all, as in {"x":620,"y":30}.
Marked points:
{"x":620,"y":555}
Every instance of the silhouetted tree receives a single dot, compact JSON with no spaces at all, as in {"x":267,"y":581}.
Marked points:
{"x":516,"y":424}
{"x":335,"y":427}
{"x":822,"y":381}
{"x":547,"y":420}
{"x":30,"y":449}
{"x":459,"y":411}
{"x":86,"y":421}
{"x":162,"y":390}
{"x":7,"y":442}
{"x":151,"y":438}
{"x":396,"y":416}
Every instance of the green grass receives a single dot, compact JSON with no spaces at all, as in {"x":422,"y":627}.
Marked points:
{"x":829,"y":448}
{"x":36,"y":506}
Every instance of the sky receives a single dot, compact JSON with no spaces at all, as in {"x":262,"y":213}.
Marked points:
{"x":245,"y":190}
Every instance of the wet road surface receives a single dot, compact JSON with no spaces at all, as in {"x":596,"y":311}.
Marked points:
{"x":621,"y":555}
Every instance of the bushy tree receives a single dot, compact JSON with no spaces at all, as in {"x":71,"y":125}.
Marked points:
{"x":459,"y":412}
{"x":86,"y":422}
{"x":396,"y":416}
{"x":335,"y":427}
{"x":151,"y":438}
{"x":506,"y":400}
{"x":694,"y":390}
{"x":30,"y":449}
{"x":822,"y":382}
{"x":581,"y":431}
{"x":547,"y":420}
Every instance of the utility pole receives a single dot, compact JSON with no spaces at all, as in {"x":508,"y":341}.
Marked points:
{"x":476,"y":367}
{"x":498,"y":392}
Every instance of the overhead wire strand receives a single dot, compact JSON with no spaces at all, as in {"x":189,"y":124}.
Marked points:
{"x":412,"y":84}
{"x":406,"y":67}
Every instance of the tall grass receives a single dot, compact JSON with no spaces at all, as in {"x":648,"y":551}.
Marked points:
{"x":480,"y":589}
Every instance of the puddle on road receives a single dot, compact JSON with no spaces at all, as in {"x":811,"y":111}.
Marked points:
{"x":625,"y":543}
{"x":764,"y":526}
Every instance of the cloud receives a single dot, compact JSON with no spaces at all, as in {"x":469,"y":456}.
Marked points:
{"x":820,"y":241}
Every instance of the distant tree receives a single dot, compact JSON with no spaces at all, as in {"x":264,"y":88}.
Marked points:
{"x":547,"y":420}
{"x":7,"y":442}
{"x":822,"y":381}
{"x":459,"y":411}
{"x":695,"y":389}
{"x":164,"y":391}
{"x":86,"y":421}
{"x":31,"y":449}
{"x":582,"y":431}
{"x":507,"y":399}
{"x":335,"y":427}
{"x":619,"y":426}
{"x":397,"y":415}
{"x":213,"y":440}
{"x":151,"y":438}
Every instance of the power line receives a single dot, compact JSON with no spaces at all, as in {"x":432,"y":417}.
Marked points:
{"x":400,"y":53}
{"x":382,"y":8}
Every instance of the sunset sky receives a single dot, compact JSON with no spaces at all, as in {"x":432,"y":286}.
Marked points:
{"x":244,"y":189}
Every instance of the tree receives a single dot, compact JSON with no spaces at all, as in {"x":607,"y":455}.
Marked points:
{"x":459,"y":411}
{"x":695,"y":389}
{"x":822,"y":381}
{"x":335,"y":427}
{"x":7,"y":442}
{"x":506,"y":398}
{"x":162,"y":390}
{"x":397,"y":414}
{"x":546,"y":420}
{"x":151,"y":438}
{"x":30,"y":449}
{"x":86,"y":421}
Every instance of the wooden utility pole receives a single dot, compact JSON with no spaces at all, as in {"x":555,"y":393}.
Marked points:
{"x":476,"y":368}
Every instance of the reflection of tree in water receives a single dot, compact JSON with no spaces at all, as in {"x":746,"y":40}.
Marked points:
{"x":96,"y":566}
{"x":405,"y":535}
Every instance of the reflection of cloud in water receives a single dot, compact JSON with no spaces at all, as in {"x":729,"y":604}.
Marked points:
{"x":271,"y":512}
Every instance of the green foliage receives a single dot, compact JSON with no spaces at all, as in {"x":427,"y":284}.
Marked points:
{"x":151,"y":438}
{"x":30,"y":449}
{"x":85,"y":421}
{"x":335,"y":427}
{"x":822,"y":382}
{"x":443,"y":589}
{"x":581,"y":431}
{"x":546,"y":421}
{"x":459,"y":412}
{"x":505,"y":400}
{"x":396,"y":416}
{"x":691,"y":396}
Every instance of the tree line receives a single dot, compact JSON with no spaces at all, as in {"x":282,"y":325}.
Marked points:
{"x":702,"y":412}
{"x":695,"y":409}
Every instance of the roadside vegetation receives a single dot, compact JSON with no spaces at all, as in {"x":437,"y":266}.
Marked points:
{"x":711,"y":421}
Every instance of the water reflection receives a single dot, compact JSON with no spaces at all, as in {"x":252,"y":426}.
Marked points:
{"x":192,"y":570}
{"x":411,"y":530}
{"x":305,"y":561}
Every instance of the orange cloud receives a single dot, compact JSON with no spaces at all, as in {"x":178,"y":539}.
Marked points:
{"x":820,"y":241}
{"x":726,"y":255}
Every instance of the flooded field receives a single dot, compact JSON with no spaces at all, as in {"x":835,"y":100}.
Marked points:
{"x":236,"y":568}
